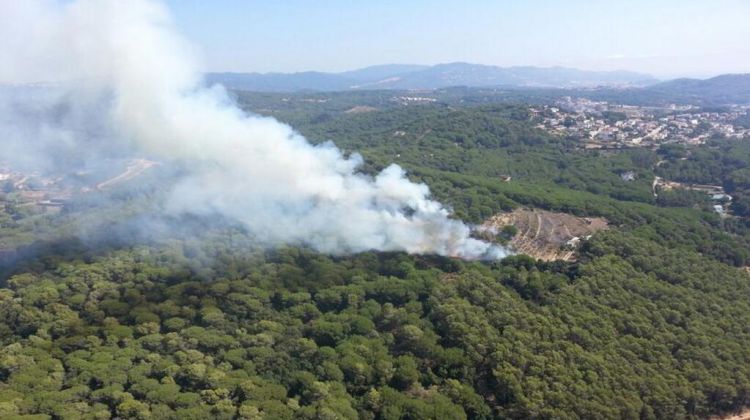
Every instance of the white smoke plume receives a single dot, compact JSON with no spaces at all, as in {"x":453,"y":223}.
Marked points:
{"x":133,"y":84}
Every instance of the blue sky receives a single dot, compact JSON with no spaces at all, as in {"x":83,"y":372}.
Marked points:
{"x":666,"y":38}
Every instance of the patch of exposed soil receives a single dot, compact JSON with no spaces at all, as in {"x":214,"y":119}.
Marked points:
{"x":546,"y":235}
{"x":743,"y":415}
{"x":359,"y":109}
{"x":134,"y":169}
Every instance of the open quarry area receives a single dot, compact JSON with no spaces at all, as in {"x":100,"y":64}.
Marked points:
{"x":546,"y":235}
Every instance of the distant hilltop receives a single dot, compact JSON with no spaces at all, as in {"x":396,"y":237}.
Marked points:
{"x":406,"y":76}
{"x":724,"y":89}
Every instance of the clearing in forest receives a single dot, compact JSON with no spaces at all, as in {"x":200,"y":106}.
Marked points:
{"x":134,"y":169}
{"x":359,"y":109}
{"x":546,"y":235}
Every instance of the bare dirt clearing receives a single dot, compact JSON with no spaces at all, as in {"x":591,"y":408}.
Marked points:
{"x":359,"y":109}
{"x":134,"y":169}
{"x":546,"y":235}
{"x":744,"y":415}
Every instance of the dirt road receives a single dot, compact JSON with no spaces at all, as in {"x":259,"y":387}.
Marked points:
{"x":134,"y":169}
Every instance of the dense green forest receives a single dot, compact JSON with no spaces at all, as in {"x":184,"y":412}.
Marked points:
{"x":720,"y":162}
{"x":652,"y":321}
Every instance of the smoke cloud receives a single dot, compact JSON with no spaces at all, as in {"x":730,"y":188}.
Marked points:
{"x":119,"y":81}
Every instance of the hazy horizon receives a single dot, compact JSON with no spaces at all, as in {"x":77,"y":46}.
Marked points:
{"x":311,"y":70}
{"x":666,"y":40}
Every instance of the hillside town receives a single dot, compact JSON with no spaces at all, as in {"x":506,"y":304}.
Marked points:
{"x":44,"y":193}
{"x":32,"y":190}
{"x":600,"y":125}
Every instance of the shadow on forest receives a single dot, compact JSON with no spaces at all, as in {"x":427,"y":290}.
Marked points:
{"x":102,"y":238}
{"x":46,"y":254}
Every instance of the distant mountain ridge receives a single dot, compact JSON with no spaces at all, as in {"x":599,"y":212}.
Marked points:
{"x":724,"y":89}
{"x":406,"y":76}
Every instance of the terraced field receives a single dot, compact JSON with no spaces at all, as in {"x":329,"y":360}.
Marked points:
{"x":546,"y":235}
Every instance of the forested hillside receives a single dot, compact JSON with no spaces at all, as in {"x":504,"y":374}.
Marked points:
{"x":651,"y":321}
